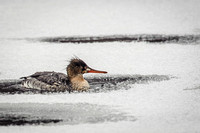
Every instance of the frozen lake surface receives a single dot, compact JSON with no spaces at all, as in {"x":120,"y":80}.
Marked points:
{"x":156,"y":105}
{"x":168,"y":105}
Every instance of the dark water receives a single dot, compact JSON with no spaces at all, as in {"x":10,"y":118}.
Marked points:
{"x":97,"y":84}
{"x":60,"y":114}
{"x":151,"y":38}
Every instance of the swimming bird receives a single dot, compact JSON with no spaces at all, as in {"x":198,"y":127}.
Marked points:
{"x":60,"y":82}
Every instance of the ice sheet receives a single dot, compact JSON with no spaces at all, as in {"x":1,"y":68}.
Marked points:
{"x":21,"y":18}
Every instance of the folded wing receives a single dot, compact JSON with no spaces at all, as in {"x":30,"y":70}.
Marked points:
{"x":49,"y":81}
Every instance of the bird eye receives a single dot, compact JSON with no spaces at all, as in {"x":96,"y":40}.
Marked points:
{"x":83,"y":69}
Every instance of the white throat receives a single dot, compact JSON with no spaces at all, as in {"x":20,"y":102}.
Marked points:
{"x":79,"y":83}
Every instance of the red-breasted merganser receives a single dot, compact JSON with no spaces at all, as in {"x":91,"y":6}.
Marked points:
{"x":54,"y":81}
